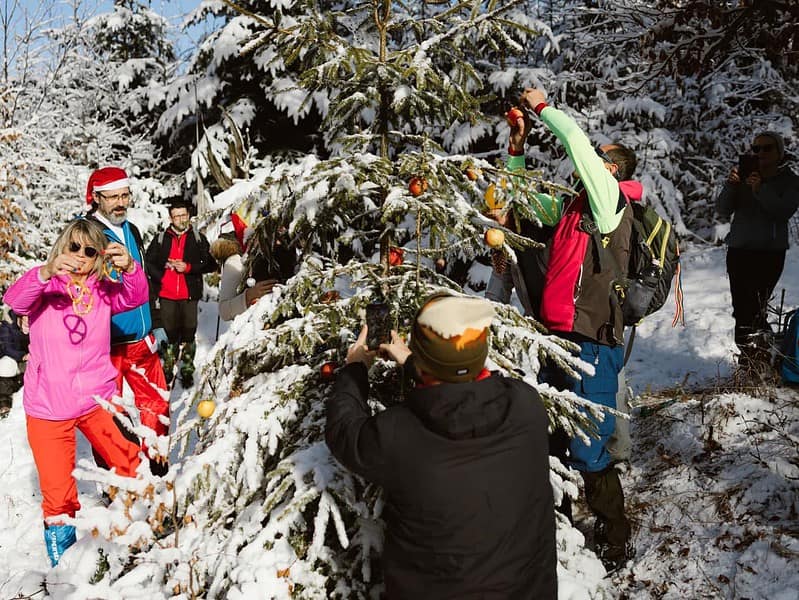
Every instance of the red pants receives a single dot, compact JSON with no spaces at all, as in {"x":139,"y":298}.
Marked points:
{"x":53,"y":445}
{"x":140,"y":366}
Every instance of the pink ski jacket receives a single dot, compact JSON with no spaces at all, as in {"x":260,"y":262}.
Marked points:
{"x":70,"y":360}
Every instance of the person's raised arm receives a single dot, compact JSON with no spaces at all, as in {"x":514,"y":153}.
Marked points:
{"x":601,"y":187}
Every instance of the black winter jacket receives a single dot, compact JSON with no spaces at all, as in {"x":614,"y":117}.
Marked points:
{"x":13,"y":342}
{"x":469,"y":510}
{"x":196,"y":254}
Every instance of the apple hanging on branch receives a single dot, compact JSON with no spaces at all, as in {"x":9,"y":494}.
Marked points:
{"x":396,"y":256}
{"x":513,"y":116}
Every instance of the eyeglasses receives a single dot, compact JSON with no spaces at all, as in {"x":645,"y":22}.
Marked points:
{"x":117,"y":198}
{"x":762,"y":148}
{"x":88,"y":251}
{"x":604,"y":155}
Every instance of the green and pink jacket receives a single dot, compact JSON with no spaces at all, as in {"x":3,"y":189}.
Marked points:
{"x":578,"y":291}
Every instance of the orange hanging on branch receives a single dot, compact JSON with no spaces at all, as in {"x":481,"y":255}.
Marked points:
{"x":206,"y":408}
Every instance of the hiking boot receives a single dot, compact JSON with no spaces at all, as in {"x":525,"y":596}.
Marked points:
{"x":57,"y":539}
{"x":187,"y":364}
{"x":5,"y":405}
{"x":186,"y":380}
{"x":614,"y":557}
{"x":605,"y":498}
{"x":159,"y":468}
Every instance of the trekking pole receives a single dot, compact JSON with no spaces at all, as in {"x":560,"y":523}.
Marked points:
{"x":216,"y":337}
{"x":176,"y":366}
{"x":782,"y":305}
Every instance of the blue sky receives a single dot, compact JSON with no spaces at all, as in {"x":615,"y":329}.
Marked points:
{"x":174,"y":10}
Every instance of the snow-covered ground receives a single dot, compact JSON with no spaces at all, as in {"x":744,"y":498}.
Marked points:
{"x":711,"y":488}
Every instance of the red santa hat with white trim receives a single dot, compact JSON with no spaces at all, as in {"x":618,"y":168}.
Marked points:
{"x":107,"y":178}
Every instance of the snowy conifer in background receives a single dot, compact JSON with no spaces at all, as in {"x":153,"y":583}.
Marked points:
{"x":132,"y":45}
{"x":256,"y":506}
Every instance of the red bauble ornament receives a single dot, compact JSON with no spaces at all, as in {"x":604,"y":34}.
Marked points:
{"x":396,"y":256}
{"x":417,"y":186}
{"x":329,"y":297}
{"x":328,"y":370}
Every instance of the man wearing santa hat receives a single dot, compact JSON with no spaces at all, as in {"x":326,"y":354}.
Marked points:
{"x":133,"y":346}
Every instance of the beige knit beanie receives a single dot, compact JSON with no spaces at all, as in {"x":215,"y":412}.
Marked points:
{"x":449,"y":339}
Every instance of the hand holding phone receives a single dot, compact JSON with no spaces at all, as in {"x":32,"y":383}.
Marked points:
{"x":747,"y":164}
{"x":378,"y":322}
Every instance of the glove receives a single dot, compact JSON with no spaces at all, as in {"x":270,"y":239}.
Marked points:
{"x":160,"y":336}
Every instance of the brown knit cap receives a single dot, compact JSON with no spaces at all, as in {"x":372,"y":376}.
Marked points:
{"x":449,"y":339}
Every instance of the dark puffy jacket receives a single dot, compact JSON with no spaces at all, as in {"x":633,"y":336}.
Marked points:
{"x":13,"y":342}
{"x":760,"y":221}
{"x":195,"y":253}
{"x":469,"y":508}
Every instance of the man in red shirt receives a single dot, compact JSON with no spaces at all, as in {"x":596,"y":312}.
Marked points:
{"x":176,"y":260}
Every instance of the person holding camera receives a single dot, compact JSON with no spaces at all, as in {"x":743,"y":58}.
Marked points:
{"x":760,"y":195}
{"x":463,"y":461}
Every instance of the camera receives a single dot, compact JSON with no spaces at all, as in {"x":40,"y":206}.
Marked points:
{"x":378,"y":322}
{"x":747,"y":164}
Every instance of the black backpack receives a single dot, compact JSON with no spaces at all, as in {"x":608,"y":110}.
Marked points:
{"x":654,"y":263}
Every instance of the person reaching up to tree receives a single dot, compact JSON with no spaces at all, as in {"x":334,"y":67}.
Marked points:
{"x":463,"y":462}
{"x":133,"y":346}
{"x":240,"y":287}
{"x":576,"y":297}
{"x":760,"y":202}
{"x":69,"y":301}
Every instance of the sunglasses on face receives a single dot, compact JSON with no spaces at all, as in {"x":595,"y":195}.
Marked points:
{"x":88,"y":251}
{"x":756,"y":148}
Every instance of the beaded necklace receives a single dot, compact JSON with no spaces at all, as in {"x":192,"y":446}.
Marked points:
{"x":81,"y":296}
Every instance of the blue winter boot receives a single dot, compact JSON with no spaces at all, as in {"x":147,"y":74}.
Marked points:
{"x":57,"y":538}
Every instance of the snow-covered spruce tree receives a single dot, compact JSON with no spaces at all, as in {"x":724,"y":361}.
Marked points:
{"x":132,"y":44}
{"x":241,"y":83}
{"x":256,"y":506}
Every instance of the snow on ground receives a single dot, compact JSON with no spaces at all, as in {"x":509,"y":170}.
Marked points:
{"x":711,"y":488}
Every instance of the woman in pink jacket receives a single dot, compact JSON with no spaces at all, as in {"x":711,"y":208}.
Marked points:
{"x":69,"y":301}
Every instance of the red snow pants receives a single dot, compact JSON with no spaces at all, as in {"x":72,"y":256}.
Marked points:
{"x":53,"y":444}
{"x":138,"y":364}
